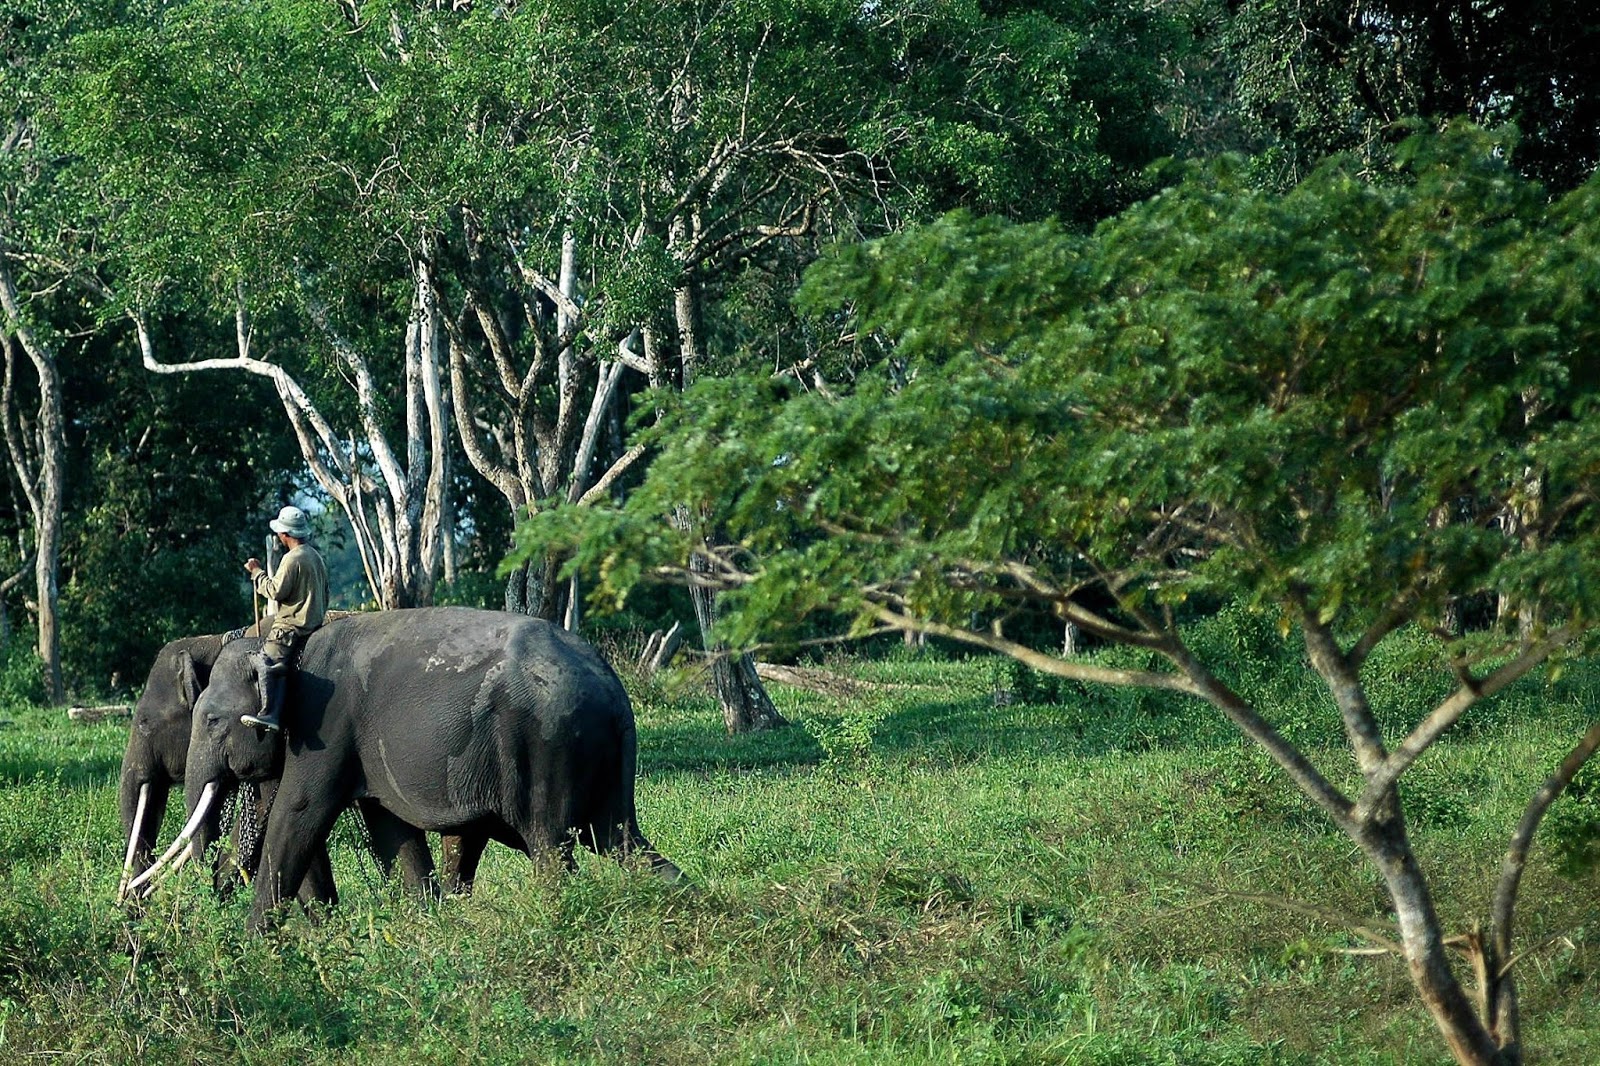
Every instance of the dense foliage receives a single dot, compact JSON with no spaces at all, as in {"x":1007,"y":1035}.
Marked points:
{"x":1318,"y":76}
{"x":1338,"y":397}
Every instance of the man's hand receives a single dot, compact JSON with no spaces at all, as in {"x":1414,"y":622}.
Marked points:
{"x":252,"y":565}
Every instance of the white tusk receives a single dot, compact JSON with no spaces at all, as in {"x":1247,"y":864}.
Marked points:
{"x":183,"y":856}
{"x":206,"y":796}
{"x":133,"y":842}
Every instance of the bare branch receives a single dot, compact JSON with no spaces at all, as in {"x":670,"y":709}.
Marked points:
{"x":1397,"y":614}
{"x":603,"y":484}
{"x":1448,"y":712}
{"x":1238,"y":711}
{"x":1516,"y":859}
{"x":1077,"y":671}
{"x":1383,"y":942}
{"x":502,"y":477}
{"x":16,"y":442}
{"x":1344,"y":684}
{"x":366,"y":391}
{"x":795,"y":224}
{"x":604,"y":389}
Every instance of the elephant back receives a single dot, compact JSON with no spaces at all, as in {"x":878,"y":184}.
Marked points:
{"x":443,"y":663}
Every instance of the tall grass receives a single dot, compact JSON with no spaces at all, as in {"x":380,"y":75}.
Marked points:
{"x":933,"y":870}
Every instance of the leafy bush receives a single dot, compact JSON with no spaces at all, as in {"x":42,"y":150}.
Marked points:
{"x":21,"y":673}
{"x":1572,"y":826}
{"x":846,"y":738}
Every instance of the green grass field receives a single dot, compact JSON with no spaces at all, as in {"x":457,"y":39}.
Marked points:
{"x":920,"y":873}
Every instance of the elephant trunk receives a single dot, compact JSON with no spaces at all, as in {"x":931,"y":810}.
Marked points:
{"x":142,"y":800}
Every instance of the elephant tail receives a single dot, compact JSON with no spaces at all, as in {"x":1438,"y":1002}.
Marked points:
{"x":627,"y":838}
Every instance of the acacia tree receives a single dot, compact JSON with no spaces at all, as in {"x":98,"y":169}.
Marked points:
{"x":1278,"y":400}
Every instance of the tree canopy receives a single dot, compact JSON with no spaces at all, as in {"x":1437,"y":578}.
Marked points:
{"x":1319,"y":76}
{"x":477,"y":232}
{"x":1223,"y":391}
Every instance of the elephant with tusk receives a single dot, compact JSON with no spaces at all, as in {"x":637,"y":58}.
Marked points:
{"x":462,"y":721}
{"x":153,"y":762}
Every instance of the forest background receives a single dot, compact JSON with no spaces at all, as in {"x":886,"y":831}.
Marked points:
{"x":436,"y":255}
{"x":508,"y":293}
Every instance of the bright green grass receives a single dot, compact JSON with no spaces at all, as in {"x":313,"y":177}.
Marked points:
{"x":915,"y":875}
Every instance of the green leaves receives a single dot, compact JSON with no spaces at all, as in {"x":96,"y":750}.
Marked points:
{"x":1353,"y":395}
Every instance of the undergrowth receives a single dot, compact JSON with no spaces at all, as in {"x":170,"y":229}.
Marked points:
{"x":942,"y":867}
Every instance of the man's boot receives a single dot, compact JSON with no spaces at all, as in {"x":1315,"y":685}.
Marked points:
{"x":274,"y":674}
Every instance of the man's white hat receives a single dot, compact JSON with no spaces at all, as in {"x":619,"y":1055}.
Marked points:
{"x":293,"y":522}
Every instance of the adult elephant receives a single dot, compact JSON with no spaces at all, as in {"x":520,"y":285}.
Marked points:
{"x":463,"y":721}
{"x":154,"y":761}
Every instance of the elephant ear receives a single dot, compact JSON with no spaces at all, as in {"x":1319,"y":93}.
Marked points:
{"x":188,"y":681}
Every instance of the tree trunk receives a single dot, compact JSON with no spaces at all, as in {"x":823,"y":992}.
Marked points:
{"x":42,"y":475}
{"x":47,"y":564}
{"x":1071,"y":640}
{"x":535,"y":589}
{"x":516,"y":596}
{"x":746,"y":707}
{"x":1464,"y":1031}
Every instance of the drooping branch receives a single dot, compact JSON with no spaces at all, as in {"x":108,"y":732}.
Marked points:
{"x":1072,"y":669}
{"x":319,"y":446}
{"x":297,"y":403}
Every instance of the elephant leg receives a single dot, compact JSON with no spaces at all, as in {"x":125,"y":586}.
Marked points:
{"x":461,"y":856}
{"x":317,"y":885}
{"x":296,"y":836}
{"x":400,"y":843}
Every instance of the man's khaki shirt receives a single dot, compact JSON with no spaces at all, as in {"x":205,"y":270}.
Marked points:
{"x":299,"y":588}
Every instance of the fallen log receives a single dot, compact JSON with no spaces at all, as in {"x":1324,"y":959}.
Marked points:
{"x":813,"y":679}
{"x":100,"y":713}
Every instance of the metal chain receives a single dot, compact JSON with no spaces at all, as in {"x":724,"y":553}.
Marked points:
{"x":242,"y":808}
{"x":229,"y":811}
{"x":250,"y":820}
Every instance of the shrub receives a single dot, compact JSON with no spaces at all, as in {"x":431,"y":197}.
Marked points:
{"x":21,"y":673}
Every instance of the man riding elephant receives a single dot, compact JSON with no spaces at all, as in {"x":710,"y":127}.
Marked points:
{"x":300,"y":591}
